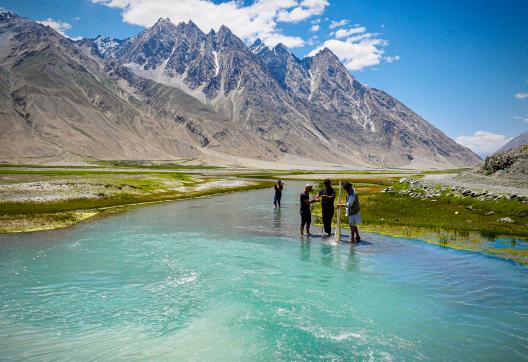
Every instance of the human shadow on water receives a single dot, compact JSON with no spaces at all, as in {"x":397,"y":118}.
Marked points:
{"x":305,"y":250}
{"x":361,"y":242}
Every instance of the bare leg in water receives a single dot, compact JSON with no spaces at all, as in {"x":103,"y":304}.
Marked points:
{"x":307,"y":229}
{"x":354,"y":232}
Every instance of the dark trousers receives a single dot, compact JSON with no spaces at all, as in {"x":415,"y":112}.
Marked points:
{"x":328,"y":214}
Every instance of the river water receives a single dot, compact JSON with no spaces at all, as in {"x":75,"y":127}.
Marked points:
{"x":227,"y":278}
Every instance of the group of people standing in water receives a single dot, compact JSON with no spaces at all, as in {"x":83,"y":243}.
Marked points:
{"x":326,"y":196}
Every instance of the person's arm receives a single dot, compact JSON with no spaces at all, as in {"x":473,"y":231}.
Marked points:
{"x":329,"y":197}
{"x":315,"y":199}
{"x":350,"y":200}
{"x":325,"y":197}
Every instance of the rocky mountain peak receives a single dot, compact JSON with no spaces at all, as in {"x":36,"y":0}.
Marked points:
{"x":281,"y":48}
{"x":227,"y":39}
{"x":246,"y":101}
{"x":162,"y":22}
{"x":7,"y":14}
{"x":327,"y":55}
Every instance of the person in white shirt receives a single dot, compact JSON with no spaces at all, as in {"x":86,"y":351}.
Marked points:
{"x":353,"y":211}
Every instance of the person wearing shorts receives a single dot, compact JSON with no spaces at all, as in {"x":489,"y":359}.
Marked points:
{"x":353,"y":211}
{"x":306,"y":213}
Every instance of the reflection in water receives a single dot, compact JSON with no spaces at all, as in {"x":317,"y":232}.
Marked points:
{"x":305,"y":250}
{"x":327,"y":256}
{"x":353,"y":260}
{"x":277,"y":219}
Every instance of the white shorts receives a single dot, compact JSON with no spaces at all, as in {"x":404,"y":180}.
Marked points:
{"x":355,"y":219}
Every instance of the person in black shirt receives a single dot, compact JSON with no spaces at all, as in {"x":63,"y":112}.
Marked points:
{"x":327,"y":196}
{"x":306,"y":213}
{"x":278,"y":194}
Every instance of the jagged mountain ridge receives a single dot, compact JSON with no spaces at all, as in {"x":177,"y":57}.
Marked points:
{"x":316,"y":96}
{"x":260,"y":103}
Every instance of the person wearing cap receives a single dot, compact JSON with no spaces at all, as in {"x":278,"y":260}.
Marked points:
{"x":353,"y":211}
{"x":327,"y":196}
{"x":306,"y":213}
{"x":278,"y":194}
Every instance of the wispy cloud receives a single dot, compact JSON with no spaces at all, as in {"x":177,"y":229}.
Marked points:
{"x":315,"y":27}
{"x":338,"y":23}
{"x":343,"y":33}
{"x":521,"y":95}
{"x":304,"y":10}
{"x":483,"y":143}
{"x":522,"y":118}
{"x":59,"y":26}
{"x":259,"y":19}
{"x":391,"y":58}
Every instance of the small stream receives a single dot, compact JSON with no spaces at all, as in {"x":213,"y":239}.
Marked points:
{"x":227,"y":278}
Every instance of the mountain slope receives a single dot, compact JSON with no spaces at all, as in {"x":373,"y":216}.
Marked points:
{"x":518,"y":141}
{"x":59,"y":104}
{"x":174,"y":92}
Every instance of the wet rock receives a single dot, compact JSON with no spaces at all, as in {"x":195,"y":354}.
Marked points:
{"x":489,"y":213}
{"x":466,"y":192}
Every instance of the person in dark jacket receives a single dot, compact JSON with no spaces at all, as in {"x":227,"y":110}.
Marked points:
{"x":327,"y":196}
{"x":278,"y":194}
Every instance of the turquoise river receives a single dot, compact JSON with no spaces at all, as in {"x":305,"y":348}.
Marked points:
{"x":227,"y":278}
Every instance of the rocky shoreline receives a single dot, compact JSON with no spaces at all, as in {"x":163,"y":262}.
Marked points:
{"x":429,"y":189}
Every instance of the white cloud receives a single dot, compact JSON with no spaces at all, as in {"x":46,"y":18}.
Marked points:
{"x":521,"y":95}
{"x":343,"y":33}
{"x":59,"y":26}
{"x":483,"y":142}
{"x":315,"y":27}
{"x":337,"y":24}
{"x":305,"y":10}
{"x":522,"y":118}
{"x":257,"y":20}
{"x":358,"y":51}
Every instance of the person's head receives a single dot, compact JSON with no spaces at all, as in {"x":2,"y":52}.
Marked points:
{"x":279,"y":182}
{"x":348,"y":187}
{"x":327,"y":183}
{"x":308,"y":187}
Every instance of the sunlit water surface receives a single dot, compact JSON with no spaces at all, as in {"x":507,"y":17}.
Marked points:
{"x":227,"y":278}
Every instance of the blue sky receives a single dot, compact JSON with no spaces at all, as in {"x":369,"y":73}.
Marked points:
{"x":462,"y":65}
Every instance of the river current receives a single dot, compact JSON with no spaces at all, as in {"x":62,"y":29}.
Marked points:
{"x":227,"y":278}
